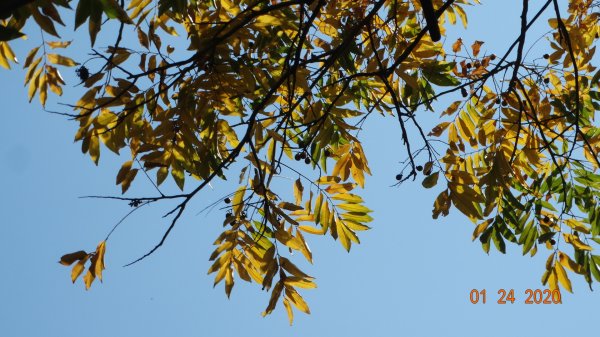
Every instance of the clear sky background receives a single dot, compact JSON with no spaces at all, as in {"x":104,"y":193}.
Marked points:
{"x":410,"y":276}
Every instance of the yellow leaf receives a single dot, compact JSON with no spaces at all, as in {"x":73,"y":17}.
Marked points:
{"x":345,"y":235}
{"x":561,"y":274}
{"x":267,"y":21}
{"x":94,"y":148}
{"x":349,"y":197}
{"x":324,"y":217}
{"x":295,"y":281}
{"x":340,"y":188}
{"x":33,"y":85}
{"x":552,"y":280}
{"x":327,"y":180}
{"x":439,"y":129}
{"x":288,"y":309}
{"x":88,"y":279}
{"x":62,"y":60}
{"x":58,"y":44}
{"x":78,"y":268}
{"x":99,"y":265}
{"x":304,"y":249}
{"x":566,"y":261}
{"x":356,"y":216}
{"x":237,"y":203}
{"x":354,"y":208}
{"x":229,"y":282}
{"x":317,"y":207}
{"x":577,"y":225}
{"x":575,"y":242}
{"x":355,"y":226}
{"x":296,"y":299}
{"x":311,"y":230}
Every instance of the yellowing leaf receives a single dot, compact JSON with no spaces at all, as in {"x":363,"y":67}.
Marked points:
{"x":275,"y":294}
{"x":349,"y":197}
{"x":99,"y":260}
{"x":575,"y":242}
{"x":566,"y":261}
{"x":577,"y":225}
{"x":328,"y":180}
{"x":125,"y":168}
{"x":294,"y":281}
{"x":340,"y":188}
{"x":88,"y":279}
{"x":289,"y":206}
{"x":58,"y":44}
{"x":288,"y":309}
{"x":354,"y":208}
{"x":296,"y":299}
{"x":237,"y":203}
{"x":78,"y":268}
{"x":311,"y":230}
{"x":562,"y":277}
{"x":62,"y":60}
{"x":480,"y":228}
{"x":267,"y":21}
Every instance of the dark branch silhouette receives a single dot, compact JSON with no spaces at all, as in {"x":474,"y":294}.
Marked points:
{"x":431,"y":20}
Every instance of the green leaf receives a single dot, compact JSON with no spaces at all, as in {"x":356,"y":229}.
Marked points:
{"x":499,"y":242}
{"x":441,"y":79}
{"x":430,"y":180}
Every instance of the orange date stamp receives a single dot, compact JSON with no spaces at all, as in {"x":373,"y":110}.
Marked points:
{"x":532,"y":296}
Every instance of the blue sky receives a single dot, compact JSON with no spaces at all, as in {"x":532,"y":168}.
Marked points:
{"x":410,"y":276}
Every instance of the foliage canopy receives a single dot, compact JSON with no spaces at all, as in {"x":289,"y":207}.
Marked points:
{"x":266,"y":84}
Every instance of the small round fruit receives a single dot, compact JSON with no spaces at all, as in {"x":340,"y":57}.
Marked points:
{"x":398,"y":177}
{"x":546,"y":80}
{"x":498,"y":101}
{"x":419,"y":168}
{"x":552,"y":242}
{"x":546,"y":56}
{"x":227,"y":200}
{"x":307,"y":160}
{"x":463,"y":92}
{"x":546,"y":219}
{"x":492,"y":57}
{"x":297,"y":157}
{"x":302,"y":155}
